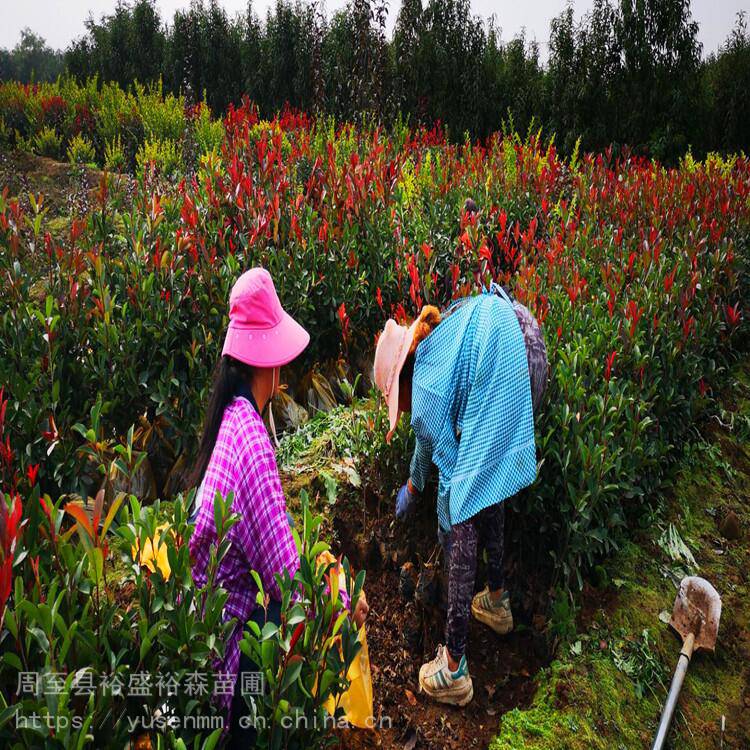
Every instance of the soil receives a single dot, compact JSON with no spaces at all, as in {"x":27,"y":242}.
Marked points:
{"x":67,"y":191}
{"x":406,"y":624}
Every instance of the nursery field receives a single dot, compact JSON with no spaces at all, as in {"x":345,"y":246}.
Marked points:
{"x":114,"y":303}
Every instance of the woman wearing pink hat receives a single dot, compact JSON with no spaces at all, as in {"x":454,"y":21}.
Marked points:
{"x":236,"y":456}
{"x":471,"y":378}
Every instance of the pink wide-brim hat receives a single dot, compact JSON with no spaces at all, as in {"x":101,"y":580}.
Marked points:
{"x":260,"y":332}
{"x":390,"y":354}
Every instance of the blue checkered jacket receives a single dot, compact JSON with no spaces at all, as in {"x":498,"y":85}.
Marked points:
{"x":471,"y":409}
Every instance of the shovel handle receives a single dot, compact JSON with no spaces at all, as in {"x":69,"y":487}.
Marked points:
{"x":674,"y":692}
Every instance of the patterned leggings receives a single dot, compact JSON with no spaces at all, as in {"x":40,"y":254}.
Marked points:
{"x":488,"y":526}
{"x":488,"y":529}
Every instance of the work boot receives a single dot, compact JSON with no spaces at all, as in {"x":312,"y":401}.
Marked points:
{"x":437,"y":680}
{"x":493,"y":612}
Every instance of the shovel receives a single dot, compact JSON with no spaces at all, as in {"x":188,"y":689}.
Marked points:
{"x":695,"y":617}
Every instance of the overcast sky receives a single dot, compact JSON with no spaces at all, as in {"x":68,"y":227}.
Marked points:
{"x":59,"y":21}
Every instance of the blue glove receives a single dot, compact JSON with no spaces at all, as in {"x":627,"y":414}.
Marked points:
{"x":404,"y":501}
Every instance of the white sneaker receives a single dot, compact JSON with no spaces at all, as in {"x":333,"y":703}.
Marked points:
{"x":441,"y":684}
{"x":496,"y":614}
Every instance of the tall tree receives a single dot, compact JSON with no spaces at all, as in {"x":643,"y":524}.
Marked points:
{"x":628,"y":72}
{"x":660,"y":75}
{"x":409,"y":68}
{"x":585,"y":63}
{"x":126,"y":46}
{"x":287,"y":55}
{"x":728,"y":75}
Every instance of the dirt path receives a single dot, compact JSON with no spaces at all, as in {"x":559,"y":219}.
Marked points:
{"x":67,"y":190}
{"x":406,"y":591}
{"x":406,"y":623}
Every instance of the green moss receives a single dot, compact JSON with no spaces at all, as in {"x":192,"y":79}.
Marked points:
{"x":519,"y":726}
{"x":586,"y":701}
{"x":579,"y":707}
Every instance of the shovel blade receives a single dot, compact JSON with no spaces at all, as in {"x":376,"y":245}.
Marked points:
{"x":697,"y":610}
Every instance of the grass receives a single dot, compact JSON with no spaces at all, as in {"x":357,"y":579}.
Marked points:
{"x":585,"y":704}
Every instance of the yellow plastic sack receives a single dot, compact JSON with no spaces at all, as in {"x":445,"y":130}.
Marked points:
{"x":153,"y":556}
{"x":357,"y":700}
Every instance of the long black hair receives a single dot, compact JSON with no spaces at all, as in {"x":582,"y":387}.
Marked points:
{"x":230,"y":378}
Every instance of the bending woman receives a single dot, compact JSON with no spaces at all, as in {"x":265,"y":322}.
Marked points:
{"x":471,"y":380}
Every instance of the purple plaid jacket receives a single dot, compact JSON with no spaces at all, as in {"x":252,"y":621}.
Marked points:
{"x":243,"y":462}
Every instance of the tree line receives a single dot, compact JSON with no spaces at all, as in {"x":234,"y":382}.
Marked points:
{"x":32,"y":59}
{"x":627,"y":72}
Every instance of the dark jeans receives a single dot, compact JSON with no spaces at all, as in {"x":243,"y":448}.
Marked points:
{"x":242,"y":738}
{"x":488,"y":529}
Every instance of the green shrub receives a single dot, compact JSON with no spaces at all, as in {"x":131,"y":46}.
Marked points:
{"x":114,"y":156}
{"x":6,"y":136}
{"x":113,"y":105}
{"x":13,"y":102}
{"x":47,"y":143}
{"x":209,"y":134}
{"x":164,"y":156}
{"x":163,"y":116}
{"x":82,"y":620}
{"x":303,"y":660}
{"x":81,"y":151}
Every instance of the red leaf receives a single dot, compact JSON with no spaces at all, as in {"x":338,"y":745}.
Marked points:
{"x":31,"y":472}
{"x":79,"y":514}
